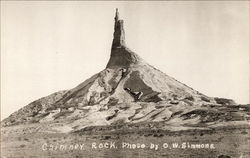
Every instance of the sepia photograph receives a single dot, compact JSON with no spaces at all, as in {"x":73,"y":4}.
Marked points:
{"x":125,"y":79}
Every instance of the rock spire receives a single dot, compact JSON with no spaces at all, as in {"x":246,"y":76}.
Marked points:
{"x":119,"y":34}
{"x":121,"y":56}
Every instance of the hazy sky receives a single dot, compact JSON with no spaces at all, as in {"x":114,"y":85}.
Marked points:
{"x":48,"y":46}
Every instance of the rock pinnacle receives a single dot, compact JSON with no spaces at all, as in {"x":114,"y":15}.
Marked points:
{"x":121,"y":56}
{"x":119,"y":34}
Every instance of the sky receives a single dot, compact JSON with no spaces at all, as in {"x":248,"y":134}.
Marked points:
{"x":47,"y":46}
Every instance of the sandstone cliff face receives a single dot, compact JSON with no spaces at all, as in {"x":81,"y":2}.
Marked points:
{"x":127,"y":90}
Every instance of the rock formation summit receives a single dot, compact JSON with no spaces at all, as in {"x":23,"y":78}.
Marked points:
{"x":121,"y":56}
{"x":128,"y":90}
